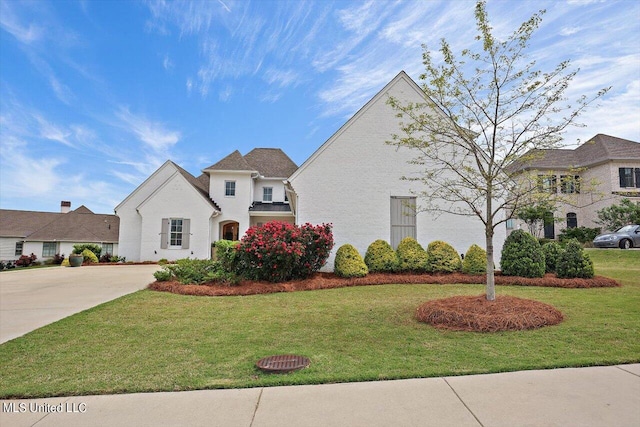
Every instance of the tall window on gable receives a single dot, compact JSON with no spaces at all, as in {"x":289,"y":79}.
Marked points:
{"x":49,"y":248}
{"x":175,"y":233}
{"x":629,"y":177}
{"x":570,"y":184}
{"x":267,"y":194}
{"x":19,"y":246}
{"x":547,"y":184}
{"x":230,"y":188}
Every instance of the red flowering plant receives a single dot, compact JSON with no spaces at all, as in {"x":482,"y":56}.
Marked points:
{"x":279,"y":251}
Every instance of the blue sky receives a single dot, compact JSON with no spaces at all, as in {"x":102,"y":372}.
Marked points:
{"x":96,"y":95}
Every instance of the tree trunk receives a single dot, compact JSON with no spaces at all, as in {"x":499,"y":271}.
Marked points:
{"x":491,"y":281}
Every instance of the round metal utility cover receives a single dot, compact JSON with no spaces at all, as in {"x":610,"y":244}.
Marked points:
{"x":282,"y":363}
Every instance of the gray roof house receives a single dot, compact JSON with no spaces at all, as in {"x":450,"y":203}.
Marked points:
{"x":609,"y":164}
{"x":48,"y":233}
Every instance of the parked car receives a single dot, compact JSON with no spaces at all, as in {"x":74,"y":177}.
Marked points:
{"x":624,"y":238}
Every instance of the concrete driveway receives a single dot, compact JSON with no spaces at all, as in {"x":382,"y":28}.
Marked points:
{"x":30,"y":299}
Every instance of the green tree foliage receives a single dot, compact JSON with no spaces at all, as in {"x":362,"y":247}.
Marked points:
{"x":535,"y":215}
{"x":475,"y":260}
{"x":574,"y":262}
{"x":492,"y":106}
{"x":442,"y":258}
{"x":552,"y":252}
{"x":411,"y":256}
{"x":581,"y":234}
{"x":617,"y":216}
{"x":522,"y":255}
{"x":93,"y":247}
{"x":349,"y":262}
{"x":381,"y":257}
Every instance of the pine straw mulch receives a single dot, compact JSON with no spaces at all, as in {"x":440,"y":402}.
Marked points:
{"x":476,"y":314}
{"x":330,"y":281}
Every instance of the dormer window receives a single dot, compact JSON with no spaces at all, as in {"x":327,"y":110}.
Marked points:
{"x":229,"y":188}
{"x":267,"y":194}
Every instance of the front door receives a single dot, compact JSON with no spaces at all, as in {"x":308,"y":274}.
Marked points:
{"x":230,"y":231}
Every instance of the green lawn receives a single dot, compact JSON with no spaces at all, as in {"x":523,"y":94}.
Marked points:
{"x":150,"y":341}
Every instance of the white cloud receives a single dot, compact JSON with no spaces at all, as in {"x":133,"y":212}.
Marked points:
{"x":281,"y":78}
{"x":9,"y":21}
{"x":167,"y":64}
{"x":62,"y":91}
{"x":568,"y":31}
{"x":153,"y":134}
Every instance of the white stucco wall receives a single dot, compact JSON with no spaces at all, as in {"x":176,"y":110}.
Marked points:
{"x":276,"y":184}
{"x":233,"y":208}
{"x":349,"y":182}
{"x":175,"y":198}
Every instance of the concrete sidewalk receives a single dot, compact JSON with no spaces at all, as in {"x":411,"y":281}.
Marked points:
{"x":607,"y":396}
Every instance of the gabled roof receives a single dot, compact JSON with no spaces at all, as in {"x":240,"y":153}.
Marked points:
{"x":233,"y":162}
{"x":401,"y":76}
{"x":271,"y":162}
{"x":80,"y":225}
{"x":600,"y":148}
{"x":201,"y":184}
{"x":268,"y":162}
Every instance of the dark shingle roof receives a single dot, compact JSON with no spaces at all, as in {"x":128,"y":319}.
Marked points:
{"x":80,"y":225}
{"x":268,"y":162}
{"x":598,"y":149}
{"x":271,"y":162}
{"x":233,"y":162}
{"x":269,"y":207}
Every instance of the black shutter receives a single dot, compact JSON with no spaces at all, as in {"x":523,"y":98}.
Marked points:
{"x":637,"y":177}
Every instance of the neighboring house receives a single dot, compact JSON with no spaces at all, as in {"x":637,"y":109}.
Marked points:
{"x":352,"y":181}
{"x":48,"y":233}
{"x":597,"y":174}
{"x":175,"y":215}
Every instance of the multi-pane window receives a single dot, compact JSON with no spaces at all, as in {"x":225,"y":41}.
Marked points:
{"x":19,"y":246}
{"x":267,"y":194}
{"x":572,"y":220}
{"x":49,"y":249}
{"x":175,"y":233}
{"x":570,"y":184}
{"x":230,"y":188}
{"x":107,"y":248}
{"x":547,"y":184}
{"x":629,"y":177}
{"x":511,"y":224}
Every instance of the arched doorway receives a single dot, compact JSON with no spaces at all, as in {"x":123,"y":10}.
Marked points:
{"x":572,"y":220}
{"x":230,"y":230}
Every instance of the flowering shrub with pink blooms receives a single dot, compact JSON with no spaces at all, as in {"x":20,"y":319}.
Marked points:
{"x":279,"y":251}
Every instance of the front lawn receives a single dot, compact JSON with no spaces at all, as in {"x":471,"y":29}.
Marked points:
{"x":153,"y":341}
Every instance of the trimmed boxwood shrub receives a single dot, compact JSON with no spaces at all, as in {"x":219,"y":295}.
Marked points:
{"x":442,"y":258}
{"x":93,"y":247}
{"x":552,"y":252}
{"x":380,"y":256}
{"x":349,"y":262}
{"x":574,"y":262}
{"x":89,"y":257}
{"x":522,"y":255}
{"x":475,"y":260}
{"x":411,"y":256}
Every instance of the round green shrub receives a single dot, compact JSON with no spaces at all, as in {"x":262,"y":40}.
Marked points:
{"x":574,"y":262}
{"x":552,"y":252}
{"x":411,"y":256}
{"x":475,"y":260}
{"x":89,"y":257}
{"x":522,"y":255}
{"x":349,"y":262}
{"x":442,"y":258}
{"x":380,"y":256}
{"x":162,"y":275}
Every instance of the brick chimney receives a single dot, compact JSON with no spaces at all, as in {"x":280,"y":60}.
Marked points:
{"x":65,"y":206}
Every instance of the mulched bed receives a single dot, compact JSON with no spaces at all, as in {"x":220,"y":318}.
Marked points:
{"x":330,"y":281}
{"x":476,"y":314}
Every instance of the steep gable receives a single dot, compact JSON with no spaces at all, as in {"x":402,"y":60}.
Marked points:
{"x":271,"y":162}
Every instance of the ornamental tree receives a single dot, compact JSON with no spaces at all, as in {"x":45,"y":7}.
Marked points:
{"x":484,"y":109}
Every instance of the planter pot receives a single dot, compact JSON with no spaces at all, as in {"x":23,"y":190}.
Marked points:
{"x":75,"y":260}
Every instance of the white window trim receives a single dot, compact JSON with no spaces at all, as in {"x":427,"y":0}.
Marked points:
{"x":225,"y":188}
{"x":264,"y":194}
{"x":170,"y":246}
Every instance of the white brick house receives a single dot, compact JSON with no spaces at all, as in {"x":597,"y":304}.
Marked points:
{"x":352,"y":181}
